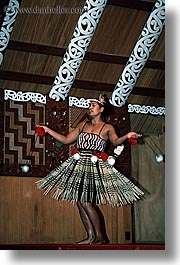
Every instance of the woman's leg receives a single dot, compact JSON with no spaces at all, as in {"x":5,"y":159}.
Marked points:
{"x":93,"y":221}
{"x":96,"y":219}
{"x":87,"y":224}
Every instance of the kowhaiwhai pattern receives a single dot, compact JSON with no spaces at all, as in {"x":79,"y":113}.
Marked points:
{"x":140,"y":54}
{"x":78,"y":45}
{"x":7,"y":26}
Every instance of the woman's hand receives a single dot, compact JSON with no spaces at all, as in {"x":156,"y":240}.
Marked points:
{"x":133,"y":135}
{"x":64,"y":139}
{"x":44,"y":127}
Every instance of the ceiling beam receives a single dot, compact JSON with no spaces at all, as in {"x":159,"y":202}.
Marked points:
{"x":89,"y":56}
{"x":144,"y":91}
{"x":81,"y":84}
{"x":35,"y":48}
{"x":27,"y":78}
{"x":132,"y":4}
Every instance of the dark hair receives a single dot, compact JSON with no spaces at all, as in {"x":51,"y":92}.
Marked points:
{"x":108,"y":108}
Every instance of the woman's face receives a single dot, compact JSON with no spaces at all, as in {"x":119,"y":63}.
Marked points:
{"x":95,"y":109}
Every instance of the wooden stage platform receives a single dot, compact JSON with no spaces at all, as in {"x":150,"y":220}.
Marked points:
{"x":83,"y":247}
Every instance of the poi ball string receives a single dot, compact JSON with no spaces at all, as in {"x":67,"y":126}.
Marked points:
{"x":158,"y":157}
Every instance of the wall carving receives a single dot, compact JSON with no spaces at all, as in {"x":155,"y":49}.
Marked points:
{"x":143,"y":109}
{"x":24,"y":96}
{"x":146,"y":109}
{"x":57,"y":118}
{"x":120,"y":120}
{"x":77,"y":102}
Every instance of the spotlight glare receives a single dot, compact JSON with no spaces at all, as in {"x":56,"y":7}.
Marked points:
{"x":25,"y":168}
{"x":159,"y":158}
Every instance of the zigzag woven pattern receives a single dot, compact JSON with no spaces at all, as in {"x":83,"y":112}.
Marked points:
{"x":20,"y":121}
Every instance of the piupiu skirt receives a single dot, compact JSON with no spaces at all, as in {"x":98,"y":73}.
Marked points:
{"x":86,"y":181}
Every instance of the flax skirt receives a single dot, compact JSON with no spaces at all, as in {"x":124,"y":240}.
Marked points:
{"x":85,"y":181}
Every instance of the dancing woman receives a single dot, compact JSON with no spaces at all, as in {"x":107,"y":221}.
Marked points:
{"x":86,"y":177}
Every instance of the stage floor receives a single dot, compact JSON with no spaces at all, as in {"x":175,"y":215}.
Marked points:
{"x":83,"y":247}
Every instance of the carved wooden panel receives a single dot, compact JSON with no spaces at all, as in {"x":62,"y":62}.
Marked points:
{"x":57,"y":118}
{"x":120,"y":120}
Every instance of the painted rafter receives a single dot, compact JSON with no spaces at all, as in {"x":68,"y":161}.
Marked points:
{"x":140,"y":54}
{"x":7,"y":26}
{"x":77,"y":47}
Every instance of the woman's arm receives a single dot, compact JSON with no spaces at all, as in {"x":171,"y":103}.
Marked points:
{"x":115,"y":140}
{"x":64,"y":139}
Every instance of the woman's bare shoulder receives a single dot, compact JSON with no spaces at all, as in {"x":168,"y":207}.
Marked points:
{"x":81,"y":124}
{"x":109,"y":126}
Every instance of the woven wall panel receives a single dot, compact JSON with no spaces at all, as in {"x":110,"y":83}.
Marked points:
{"x":21,"y":145}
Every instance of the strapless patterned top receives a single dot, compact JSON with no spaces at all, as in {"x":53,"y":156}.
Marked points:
{"x":91,"y":141}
